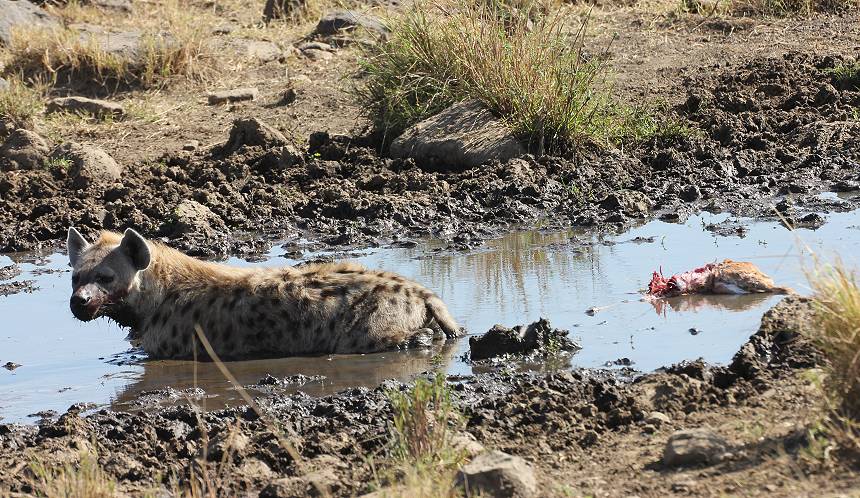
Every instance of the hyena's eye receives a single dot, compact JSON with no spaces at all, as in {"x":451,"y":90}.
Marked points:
{"x":104,"y":279}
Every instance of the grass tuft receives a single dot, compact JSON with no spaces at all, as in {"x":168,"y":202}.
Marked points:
{"x":422,"y":449}
{"x":84,"y":479}
{"x":20,"y":104}
{"x":846,"y":75}
{"x":837,"y":336}
{"x":532,"y":72}
{"x":174,"y":46}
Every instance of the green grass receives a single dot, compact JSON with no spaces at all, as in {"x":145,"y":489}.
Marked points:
{"x":422,"y":458}
{"x":846,"y":75}
{"x":837,"y":336}
{"x":531,"y":72}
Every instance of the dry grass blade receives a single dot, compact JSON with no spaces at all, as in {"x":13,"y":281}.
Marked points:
{"x":71,"y":481}
{"x":837,"y":336}
{"x":270,"y":425}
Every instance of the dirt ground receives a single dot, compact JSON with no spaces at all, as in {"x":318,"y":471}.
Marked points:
{"x":770,"y":130}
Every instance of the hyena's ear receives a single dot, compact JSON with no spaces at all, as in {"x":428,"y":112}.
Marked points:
{"x":75,"y":245}
{"x":135,"y":247}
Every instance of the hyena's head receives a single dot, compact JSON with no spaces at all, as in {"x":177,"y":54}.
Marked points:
{"x":105,"y":273}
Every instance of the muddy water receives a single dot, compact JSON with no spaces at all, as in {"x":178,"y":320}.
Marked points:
{"x":518,"y":278}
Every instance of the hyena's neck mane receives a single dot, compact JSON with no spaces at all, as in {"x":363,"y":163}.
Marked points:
{"x":172,"y":272}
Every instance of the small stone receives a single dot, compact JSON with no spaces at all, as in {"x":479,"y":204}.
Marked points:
{"x":235,"y":95}
{"x":88,"y":165}
{"x":279,"y":9}
{"x":690,"y":193}
{"x":695,"y":331}
{"x":498,"y":474}
{"x":263,"y":51}
{"x":339,"y":21}
{"x":314,"y":45}
{"x":253,"y":132}
{"x":693,"y":447}
{"x":657,"y":418}
{"x":97,"y":108}
{"x":317,"y":55}
{"x":192,"y":145}
{"x":288,"y":97}
{"x":631,"y":202}
{"x":649,"y":429}
{"x":11,"y":366}
{"x":191,"y":217}
{"x":466,"y":443}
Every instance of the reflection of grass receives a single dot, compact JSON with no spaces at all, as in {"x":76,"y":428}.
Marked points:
{"x":507,"y":264}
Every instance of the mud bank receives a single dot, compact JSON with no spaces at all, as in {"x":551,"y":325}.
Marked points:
{"x":552,"y":420}
{"x":772,"y":132}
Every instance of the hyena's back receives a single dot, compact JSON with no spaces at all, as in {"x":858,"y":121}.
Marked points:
{"x":315,"y":309}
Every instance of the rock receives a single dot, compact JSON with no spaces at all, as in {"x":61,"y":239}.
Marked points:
{"x":693,"y":447}
{"x":499,"y":475}
{"x":253,"y":132}
{"x":317,"y":55}
{"x":465,"y":442}
{"x":630,"y":202}
{"x":690,"y":193}
{"x":116,"y":5}
{"x":11,"y":366}
{"x":191,"y":145}
{"x":538,"y":336}
{"x":463,"y":136}
{"x":235,"y":95}
{"x":98,"y":108}
{"x":4,"y":85}
{"x":88,"y":165}
{"x":126,"y":44}
{"x":314,"y":45}
{"x":23,"y":149}
{"x":280,"y":9}
{"x":263,"y":51}
{"x":339,"y":21}
{"x":657,"y":419}
{"x":191,"y":217}
{"x":16,"y":14}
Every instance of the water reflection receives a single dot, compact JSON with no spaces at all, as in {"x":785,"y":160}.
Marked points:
{"x":513,"y":280}
{"x":697,"y":303}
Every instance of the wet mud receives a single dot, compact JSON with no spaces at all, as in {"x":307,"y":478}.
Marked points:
{"x":531,"y":414}
{"x":771,"y":133}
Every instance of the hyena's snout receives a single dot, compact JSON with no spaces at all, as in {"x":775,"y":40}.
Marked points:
{"x":84,"y":304}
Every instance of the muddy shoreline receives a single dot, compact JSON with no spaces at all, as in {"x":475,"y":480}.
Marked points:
{"x":770,"y":134}
{"x":503,"y":410}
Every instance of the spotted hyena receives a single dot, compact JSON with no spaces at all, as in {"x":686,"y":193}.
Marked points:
{"x":162,"y":294}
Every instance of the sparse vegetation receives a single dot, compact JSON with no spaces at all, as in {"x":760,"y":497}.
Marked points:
{"x":20,"y":104}
{"x":72,"y":57}
{"x":781,"y":8}
{"x":422,"y":454}
{"x":533,"y":73}
{"x":837,"y":336}
{"x":85,"y":478}
{"x":847,"y":75}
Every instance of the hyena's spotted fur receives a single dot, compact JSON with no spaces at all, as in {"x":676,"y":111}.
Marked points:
{"x":247,"y":312}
